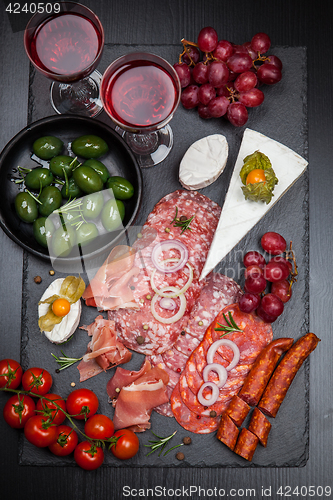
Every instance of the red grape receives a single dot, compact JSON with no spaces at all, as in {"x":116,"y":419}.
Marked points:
{"x":268,"y":318}
{"x":273,"y":243}
{"x":200,"y":73}
{"x":254,"y":258}
{"x":224,"y":91}
{"x":282,"y":289}
{"x":206,"y":93}
{"x":246,"y":81}
{"x":193,"y":53}
{"x":276,"y":271}
{"x":249,"y":302}
{"x":252,"y":98}
{"x":184,"y":74}
{"x":207,"y":39}
{"x":237,"y":114}
{"x":279,"y":258}
{"x":218,"y":106}
{"x":269,"y":74}
{"x":218,"y":73}
{"x":261,"y":43}
{"x":239,"y":62}
{"x":275,"y":61}
{"x":190,"y":97}
{"x":223,"y":50}
{"x":272,"y":305}
{"x":255,"y":285}
{"x":203,"y":111}
{"x":254,"y":271}
{"x":252,"y":53}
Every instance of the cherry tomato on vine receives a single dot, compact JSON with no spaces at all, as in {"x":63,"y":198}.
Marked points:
{"x":65,"y":442}
{"x":50,"y":409}
{"x":18,"y":409}
{"x":37,"y":381}
{"x":99,"y":427}
{"x":88,"y":456}
{"x":39,"y":431}
{"x":61,"y":307}
{"x":10,"y":373}
{"x":127,"y":444}
{"x":82,"y":403}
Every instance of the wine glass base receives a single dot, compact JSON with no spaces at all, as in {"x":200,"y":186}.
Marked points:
{"x":78,"y":98}
{"x":149,"y":149}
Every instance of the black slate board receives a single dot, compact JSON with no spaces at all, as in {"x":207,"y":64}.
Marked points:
{"x":283,"y":117}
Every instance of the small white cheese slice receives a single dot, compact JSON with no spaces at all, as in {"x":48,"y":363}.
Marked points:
{"x":239,"y":215}
{"x":62,"y":331}
{"x":203,"y":162}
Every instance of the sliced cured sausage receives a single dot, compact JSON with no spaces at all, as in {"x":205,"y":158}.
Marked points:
{"x":227,"y":432}
{"x":238,"y":410}
{"x":262,"y":370}
{"x":285,"y":372}
{"x":246,"y":444}
{"x":260,"y":426}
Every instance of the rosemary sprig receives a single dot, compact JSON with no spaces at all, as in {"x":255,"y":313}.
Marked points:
{"x":231,"y":326}
{"x":182,"y":222}
{"x":161,"y":444}
{"x":65,"y":361}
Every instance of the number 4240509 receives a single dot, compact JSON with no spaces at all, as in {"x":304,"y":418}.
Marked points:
{"x":33,"y":8}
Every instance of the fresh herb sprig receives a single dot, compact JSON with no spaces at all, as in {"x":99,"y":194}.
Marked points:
{"x":65,"y":361}
{"x":230,"y":327}
{"x":161,"y":444}
{"x":182,"y":222}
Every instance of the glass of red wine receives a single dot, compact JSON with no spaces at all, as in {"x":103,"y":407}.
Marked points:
{"x":66,"y":46}
{"x":141,"y":92}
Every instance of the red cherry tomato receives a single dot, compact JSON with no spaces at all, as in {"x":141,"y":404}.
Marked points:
{"x":99,"y":427}
{"x":82,"y":403}
{"x":10,"y":373}
{"x":127,"y":444}
{"x":18,"y":409}
{"x":37,"y":381}
{"x":40,"y":432}
{"x":50,"y":409}
{"x":65,"y":442}
{"x":88,"y":456}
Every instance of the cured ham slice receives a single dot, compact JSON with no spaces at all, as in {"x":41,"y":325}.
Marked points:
{"x":104,"y":350}
{"x":136,"y":401}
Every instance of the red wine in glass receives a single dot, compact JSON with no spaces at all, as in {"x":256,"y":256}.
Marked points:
{"x":140,"y":93}
{"x":66,"y":46}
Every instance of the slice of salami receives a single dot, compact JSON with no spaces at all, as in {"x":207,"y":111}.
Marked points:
{"x":189,"y":420}
{"x":181,"y":194}
{"x":186,"y":343}
{"x":175,"y":360}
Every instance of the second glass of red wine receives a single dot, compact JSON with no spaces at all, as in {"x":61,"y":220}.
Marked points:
{"x":66,"y":45}
{"x":140,"y":93}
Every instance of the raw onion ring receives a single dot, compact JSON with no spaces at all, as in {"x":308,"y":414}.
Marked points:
{"x":219,"y":369}
{"x":167,"y":303}
{"x":167,"y":245}
{"x":175,"y":317}
{"x":213,"y":348}
{"x":178,"y":291}
{"x":213,"y":397}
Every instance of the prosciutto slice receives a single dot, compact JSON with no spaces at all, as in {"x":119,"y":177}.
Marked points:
{"x":136,"y":401}
{"x":104,"y":350}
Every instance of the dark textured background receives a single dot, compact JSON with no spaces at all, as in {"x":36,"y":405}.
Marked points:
{"x":290,"y":24}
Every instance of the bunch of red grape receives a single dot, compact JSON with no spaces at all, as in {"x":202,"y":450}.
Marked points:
{"x":279,"y":271}
{"x":220,"y":78}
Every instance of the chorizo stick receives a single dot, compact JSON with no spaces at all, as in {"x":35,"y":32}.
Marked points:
{"x":246,"y":444}
{"x":237,"y":410}
{"x":284,"y":374}
{"x":260,"y":426}
{"x":227,"y":432}
{"x":262,"y":370}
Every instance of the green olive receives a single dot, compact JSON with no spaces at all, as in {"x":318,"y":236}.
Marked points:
{"x":89,"y":146}
{"x":99,"y":167}
{"x":43,"y":229}
{"x":47,"y":147}
{"x":92,"y":205}
{"x":63,"y":241}
{"x":87,"y":179}
{"x":112,"y":214}
{"x":86,"y":233}
{"x":72,"y":190}
{"x":122,"y":188}
{"x":62,"y":163}
{"x":50,"y":199}
{"x":38,"y":177}
{"x":26,"y":207}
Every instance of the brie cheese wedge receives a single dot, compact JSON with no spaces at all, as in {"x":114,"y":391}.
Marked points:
{"x":203,"y":162}
{"x":238,"y":215}
{"x":63,"y":330}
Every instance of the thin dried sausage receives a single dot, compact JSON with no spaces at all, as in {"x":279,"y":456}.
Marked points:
{"x":227,"y":432}
{"x":246,"y":444}
{"x":237,"y":410}
{"x":260,"y":426}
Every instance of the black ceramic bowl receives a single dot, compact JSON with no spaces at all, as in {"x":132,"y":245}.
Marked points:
{"x":119,"y":160}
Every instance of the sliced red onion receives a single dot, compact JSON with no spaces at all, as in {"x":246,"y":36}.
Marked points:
{"x":213,"y":348}
{"x":175,"y":317}
{"x":179,"y":291}
{"x":219,"y":369}
{"x":169,"y":245}
{"x":167,"y":303}
{"x":213,"y":397}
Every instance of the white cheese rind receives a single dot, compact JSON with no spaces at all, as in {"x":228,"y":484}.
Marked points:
{"x":69,"y":323}
{"x":238,"y":215}
{"x":203,"y":162}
